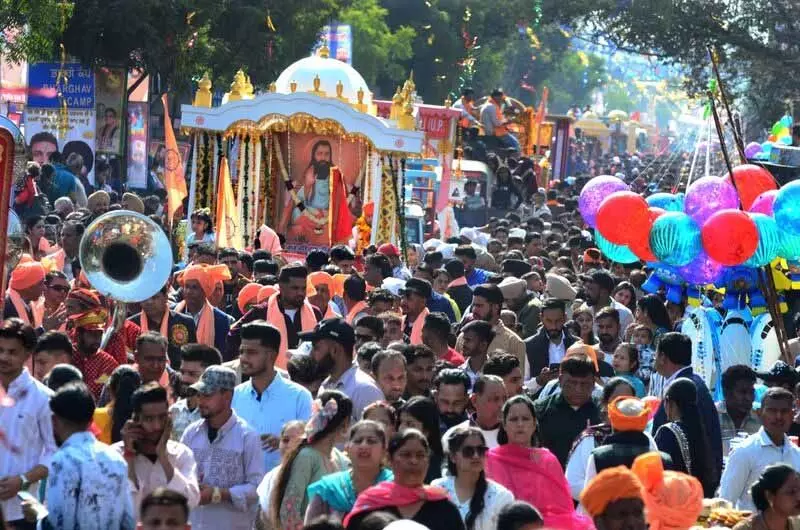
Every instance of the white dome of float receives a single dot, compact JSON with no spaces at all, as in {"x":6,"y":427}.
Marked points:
{"x":324,"y":76}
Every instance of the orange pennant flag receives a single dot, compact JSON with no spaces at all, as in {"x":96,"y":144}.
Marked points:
{"x":174,"y":179}
{"x":227,"y":219}
{"x":542,"y":110}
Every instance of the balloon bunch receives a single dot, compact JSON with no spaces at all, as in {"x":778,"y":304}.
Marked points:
{"x":781,"y":133}
{"x":699,"y":236}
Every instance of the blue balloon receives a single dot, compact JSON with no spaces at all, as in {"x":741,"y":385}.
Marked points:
{"x":786,"y":121}
{"x":614,"y":252}
{"x":766,"y":147}
{"x":787,"y":208}
{"x":790,"y":246}
{"x":675,"y":239}
{"x":666,"y":201}
{"x":769,"y":241}
{"x":785,"y":140}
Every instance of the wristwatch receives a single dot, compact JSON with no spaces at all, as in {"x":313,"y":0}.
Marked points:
{"x":216,"y":496}
{"x":25,"y":483}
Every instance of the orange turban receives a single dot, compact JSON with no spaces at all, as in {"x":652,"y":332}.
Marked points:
{"x":585,"y":349}
{"x":26,"y":274}
{"x":610,"y":485}
{"x":322,"y":278}
{"x":207,"y":275}
{"x":265,"y":292}
{"x":86,"y":297}
{"x":628,"y":414}
{"x":338,"y":284}
{"x":247,"y":294}
{"x":673,"y":500}
{"x":653,"y":403}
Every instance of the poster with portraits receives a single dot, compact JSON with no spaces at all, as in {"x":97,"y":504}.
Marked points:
{"x":137,"y":145}
{"x":313,"y":194}
{"x":110,"y":90}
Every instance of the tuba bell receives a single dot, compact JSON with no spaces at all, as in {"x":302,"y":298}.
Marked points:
{"x":126,"y":257}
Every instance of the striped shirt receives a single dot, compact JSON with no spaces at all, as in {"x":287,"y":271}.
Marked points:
{"x":28,"y":433}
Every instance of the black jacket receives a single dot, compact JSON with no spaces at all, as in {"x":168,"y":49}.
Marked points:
{"x":462,"y":296}
{"x":622,"y":448}
{"x":538,"y":350}
{"x":180,"y":330}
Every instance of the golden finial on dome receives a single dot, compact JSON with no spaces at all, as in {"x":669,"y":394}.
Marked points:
{"x":448,"y":102}
{"x":237,"y":87}
{"x":293,"y":86}
{"x":316,"y":91}
{"x":409,"y":87}
{"x":406,"y":119}
{"x":248,"y":87}
{"x":397,"y":105}
{"x":360,"y":106}
{"x":324,"y":51}
{"x":340,"y":92}
{"x":202,"y":98}
{"x":272,"y":87}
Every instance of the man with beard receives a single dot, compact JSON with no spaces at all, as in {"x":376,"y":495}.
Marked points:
{"x":25,"y":286}
{"x":389,"y":369}
{"x":267,"y":401}
{"x":195,"y":358}
{"x":451,"y":394}
{"x":525,"y":304}
{"x":420,"y":361}
{"x":487,"y":302}
{"x":153,"y":459}
{"x":230,"y":258}
{"x":230,"y":461}
{"x":414,"y":303}
{"x":598,"y":285}
{"x":177,"y":328}
{"x":546,"y":349}
{"x":288,"y":310}
{"x":487,"y":398}
{"x":377,"y":268}
{"x":95,"y":364}
{"x":475,"y":339}
{"x":608,"y":328}
{"x":506,"y":367}
{"x":436,"y":335}
{"x":332,"y":341}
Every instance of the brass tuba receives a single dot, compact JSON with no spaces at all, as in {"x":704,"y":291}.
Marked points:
{"x":126,"y":257}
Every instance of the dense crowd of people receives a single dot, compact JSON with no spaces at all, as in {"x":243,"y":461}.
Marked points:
{"x":506,"y":378}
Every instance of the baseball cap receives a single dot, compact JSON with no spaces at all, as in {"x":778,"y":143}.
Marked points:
{"x":389,"y":250}
{"x":418,"y":286}
{"x":336,"y":329}
{"x":215,"y":379}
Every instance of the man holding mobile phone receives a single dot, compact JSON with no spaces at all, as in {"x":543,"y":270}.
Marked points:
{"x":153,"y":459}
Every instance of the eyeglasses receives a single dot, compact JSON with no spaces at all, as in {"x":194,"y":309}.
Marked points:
{"x":469,"y":451}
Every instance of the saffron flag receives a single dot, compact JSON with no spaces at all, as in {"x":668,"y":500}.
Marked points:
{"x":542,"y":110}
{"x":227,"y":219}
{"x":174,"y":179}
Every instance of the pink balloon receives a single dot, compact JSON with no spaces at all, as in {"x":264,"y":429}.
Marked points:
{"x":764,"y":202}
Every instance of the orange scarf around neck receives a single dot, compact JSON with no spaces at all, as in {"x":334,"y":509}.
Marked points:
{"x":308,"y":320}
{"x":144,"y":323}
{"x":205,"y":326}
{"x":358,"y":308}
{"x":416,"y":327}
{"x":22,"y":309}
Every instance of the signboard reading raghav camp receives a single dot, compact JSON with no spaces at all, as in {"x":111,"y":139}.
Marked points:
{"x":43,"y":110}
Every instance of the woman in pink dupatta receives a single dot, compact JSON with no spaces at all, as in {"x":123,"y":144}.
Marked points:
{"x":532,"y":474}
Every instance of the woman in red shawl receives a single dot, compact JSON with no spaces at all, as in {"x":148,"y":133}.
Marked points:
{"x":406,"y":496}
{"x":531,"y":473}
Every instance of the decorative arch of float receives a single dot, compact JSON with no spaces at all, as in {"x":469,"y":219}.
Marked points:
{"x":270,"y":142}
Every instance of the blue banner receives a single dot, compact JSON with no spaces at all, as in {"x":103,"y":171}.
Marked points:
{"x":43,"y":92}
{"x":339,"y":39}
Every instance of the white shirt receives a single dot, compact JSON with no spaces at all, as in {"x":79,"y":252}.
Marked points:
{"x":747,"y":462}
{"x":150,"y":475}
{"x":556,"y":352}
{"x":29,"y":434}
{"x":494,"y":499}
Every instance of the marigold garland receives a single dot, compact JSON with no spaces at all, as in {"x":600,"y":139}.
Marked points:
{"x":364,"y":231}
